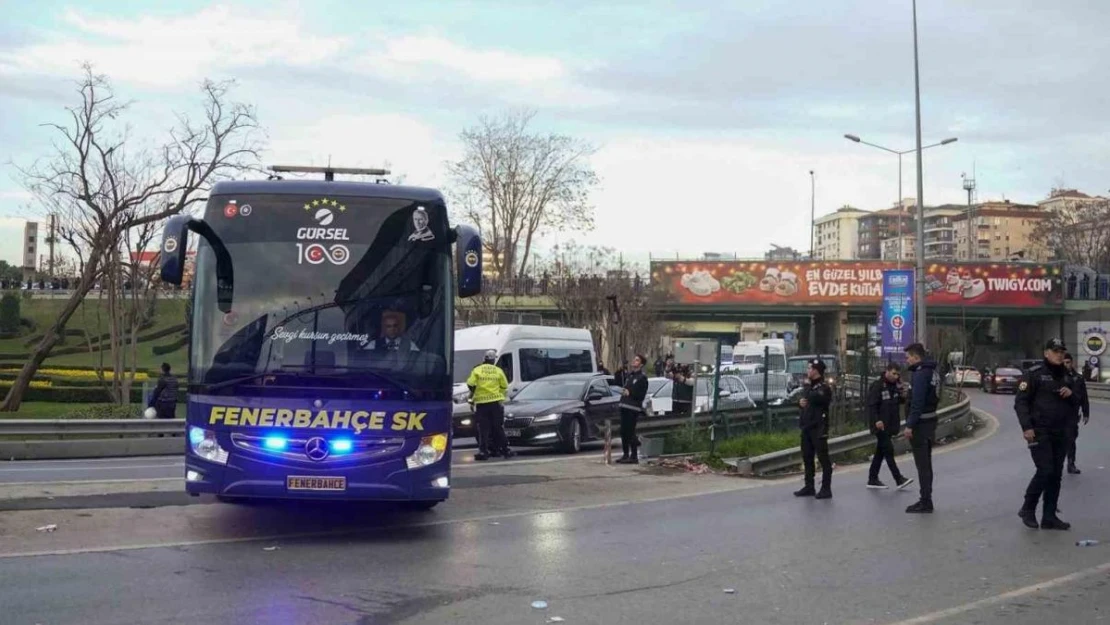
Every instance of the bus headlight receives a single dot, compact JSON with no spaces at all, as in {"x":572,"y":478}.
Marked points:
{"x":431,"y":450}
{"x":203,"y":443}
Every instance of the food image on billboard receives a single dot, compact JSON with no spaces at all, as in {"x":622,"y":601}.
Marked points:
{"x":854,"y":283}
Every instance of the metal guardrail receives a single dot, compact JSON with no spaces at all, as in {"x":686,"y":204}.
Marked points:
{"x":52,"y":439}
{"x":653,"y":426}
{"x":949,"y":420}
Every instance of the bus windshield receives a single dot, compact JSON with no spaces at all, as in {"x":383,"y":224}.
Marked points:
{"x":342,"y":292}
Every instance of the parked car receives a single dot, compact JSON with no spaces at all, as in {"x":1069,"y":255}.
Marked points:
{"x":963,"y":376}
{"x":796,"y":367}
{"x":1003,"y":379}
{"x":562,"y":410}
{"x":734,"y":395}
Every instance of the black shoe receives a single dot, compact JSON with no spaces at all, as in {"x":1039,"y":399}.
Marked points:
{"x":876,"y":484}
{"x":1054,"y":523}
{"x":1029,"y":518}
{"x":508,"y":453}
{"x":623,"y":461}
{"x":481,"y":457}
{"x":921,"y":507}
{"x":905,"y":482}
{"x":805,"y":492}
{"x":824,"y":493}
{"x":633,"y":461}
{"x":1074,"y":470}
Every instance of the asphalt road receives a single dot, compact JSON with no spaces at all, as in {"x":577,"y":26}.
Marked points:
{"x":170,"y":467}
{"x":855,"y":559}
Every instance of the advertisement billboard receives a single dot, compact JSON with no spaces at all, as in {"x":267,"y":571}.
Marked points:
{"x":896,"y":315}
{"x":854,"y":283}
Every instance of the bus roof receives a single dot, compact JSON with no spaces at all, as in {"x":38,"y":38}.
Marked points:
{"x":323,"y":187}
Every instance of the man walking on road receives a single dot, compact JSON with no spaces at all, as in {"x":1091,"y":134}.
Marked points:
{"x":921,"y":422}
{"x":814,"y":422}
{"x":488,"y":384}
{"x":1083,"y":408}
{"x":884,"y":406}
{"x":632,"y":404}
{"x":1046,"y":403}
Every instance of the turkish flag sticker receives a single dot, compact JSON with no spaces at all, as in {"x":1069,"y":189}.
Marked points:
{"x":231,"y":210}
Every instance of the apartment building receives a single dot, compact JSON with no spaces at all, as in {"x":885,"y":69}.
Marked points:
{"x":1066,"y":198}
{"x":877,"y":226}
{"x":904,"y":247}
{"x":940,"y":231}
{"x":999,"y":231}
{"x":837,"y":234}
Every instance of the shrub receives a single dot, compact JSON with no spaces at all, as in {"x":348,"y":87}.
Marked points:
{"x":103,"y":411}
{"x":168,"y":348}
{"x":9,"y":314}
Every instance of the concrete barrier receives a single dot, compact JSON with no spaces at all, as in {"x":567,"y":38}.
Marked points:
{"x":52,"y":439}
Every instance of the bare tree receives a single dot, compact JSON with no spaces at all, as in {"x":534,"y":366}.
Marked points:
{"x":101,"y":182}
{"x":514,"y":184}
{"x":1078,"y":233}
{"x":591,"y":288}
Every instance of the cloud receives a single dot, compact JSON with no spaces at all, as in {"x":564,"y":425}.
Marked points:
{"x":172,"y":52}
{"x":403,"y":56}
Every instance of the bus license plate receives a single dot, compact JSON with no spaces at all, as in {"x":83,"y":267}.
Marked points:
{"x":316,"y":483}
{"x":512,"y":433}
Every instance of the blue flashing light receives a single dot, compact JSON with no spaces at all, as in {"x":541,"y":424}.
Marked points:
{"x":341,"y":446}
{"x":274,"y":442}
{"x":196,"y":435}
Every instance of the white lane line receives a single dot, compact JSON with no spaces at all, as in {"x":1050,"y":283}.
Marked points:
{"x":178,"y":465}
{"x":939,"y":615}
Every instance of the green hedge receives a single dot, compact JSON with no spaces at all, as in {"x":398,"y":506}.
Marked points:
{"x":83,"y":395}
{"x":80,"y":349}
{"x":169,"y":348}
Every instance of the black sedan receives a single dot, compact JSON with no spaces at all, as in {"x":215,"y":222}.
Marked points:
{"x":562,"y":410}
{"x":1003,"y":379}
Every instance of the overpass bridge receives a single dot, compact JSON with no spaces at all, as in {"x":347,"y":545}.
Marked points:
{"x":833,"y":304}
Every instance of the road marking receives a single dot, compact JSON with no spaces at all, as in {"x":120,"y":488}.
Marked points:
{"x":177,"y":465}
{"x":933,"y":617}
{"x":740,"y":486}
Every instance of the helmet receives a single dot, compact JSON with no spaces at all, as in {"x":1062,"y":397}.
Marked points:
{"x":491,"y":355}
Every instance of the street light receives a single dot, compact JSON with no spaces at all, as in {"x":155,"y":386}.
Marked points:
{"x":901,"y":205}
{"x":812,"y":211}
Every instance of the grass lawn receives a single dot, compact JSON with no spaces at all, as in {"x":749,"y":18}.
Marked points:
{"x":92,"y":317}
{"x":57,"y":410}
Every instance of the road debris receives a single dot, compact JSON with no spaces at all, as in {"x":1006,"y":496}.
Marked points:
{"x":47,"y":528}
{"x":686,"y":464}
{"x":1089,"y":542}
{"x":274,"y":548}
{"x":730,"y":591}
{"x":556,"y":619}
{"x":539,"y":605}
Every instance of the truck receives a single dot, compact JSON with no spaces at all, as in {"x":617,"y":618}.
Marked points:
{"x":321,"y":338}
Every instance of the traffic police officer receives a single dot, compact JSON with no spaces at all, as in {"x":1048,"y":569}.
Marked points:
{"x":1083,"y":412}
{"x":1046,"y":403}
{"x":488,"y":384}
{"x":814,"y":423}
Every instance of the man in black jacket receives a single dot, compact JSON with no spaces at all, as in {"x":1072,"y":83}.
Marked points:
{"x":632,"y":404}
{"x":814,"y":423}
{"x":883,"y":409}
{"x":164,"y":397}
{"x":921,"y":421}
{"x":1082,"y":413}
{"x":1045,"y":404}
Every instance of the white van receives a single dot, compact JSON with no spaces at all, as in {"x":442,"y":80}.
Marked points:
{"x":524,"y":352}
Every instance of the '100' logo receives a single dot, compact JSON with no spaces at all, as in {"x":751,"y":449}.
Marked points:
{"x":316,"y":253}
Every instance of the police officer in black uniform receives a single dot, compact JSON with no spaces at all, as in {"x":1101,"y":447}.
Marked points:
{"x":1046,"y":404}
{"x":814,"y":423}
{"x":884,"y":415}
{"x":1082,"y":413}
{"x":921,"y":422}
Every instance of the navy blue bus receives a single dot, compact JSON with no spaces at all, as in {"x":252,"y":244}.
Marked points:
{"x":321,"y":338}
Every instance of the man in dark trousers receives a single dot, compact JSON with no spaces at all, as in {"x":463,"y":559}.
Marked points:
{"x":1082,"y":412}
{"x":164,"y":397}
{"x":814,"y":423}
{"x":682,"y":390}
{"x":632,"y":404}
{"x":1045,"y":404}
{"x":921,"y":421}
{"x":488,"y":384}
{"x":884,"y":416}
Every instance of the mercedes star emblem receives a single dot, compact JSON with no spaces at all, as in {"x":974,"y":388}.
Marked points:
{"x":316,"y":449}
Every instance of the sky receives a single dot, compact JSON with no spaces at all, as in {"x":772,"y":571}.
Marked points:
{"x":707,"y":116}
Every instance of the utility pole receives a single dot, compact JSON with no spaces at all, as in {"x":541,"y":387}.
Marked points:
{"x":920,"y":277}
{"x":972,"y":229}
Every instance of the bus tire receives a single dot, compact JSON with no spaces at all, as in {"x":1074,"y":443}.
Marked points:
{"x":419,"y":506}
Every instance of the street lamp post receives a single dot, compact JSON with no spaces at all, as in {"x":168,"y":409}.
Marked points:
{"x":901,"y":204}
{"x":812,"y":212}
{"x":921,"y":309}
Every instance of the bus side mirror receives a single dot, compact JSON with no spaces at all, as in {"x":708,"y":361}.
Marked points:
{"x":468,"y":255}
{"x":175,"y":238}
